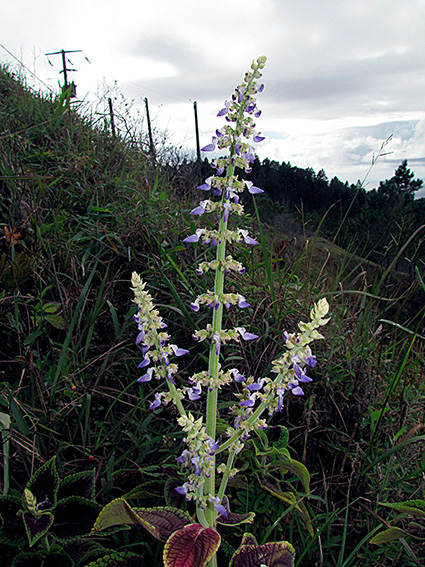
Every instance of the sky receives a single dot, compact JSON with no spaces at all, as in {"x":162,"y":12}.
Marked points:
{"x":344,"y":78}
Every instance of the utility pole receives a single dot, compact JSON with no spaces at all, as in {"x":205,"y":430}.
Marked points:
{"x":198,"y":147}
{"x":66,"y":85}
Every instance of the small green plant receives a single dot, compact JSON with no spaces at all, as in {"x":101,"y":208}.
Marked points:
{"x":192,"y":543}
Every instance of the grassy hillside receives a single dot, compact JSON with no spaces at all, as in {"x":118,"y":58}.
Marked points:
{"x":80,"y":210}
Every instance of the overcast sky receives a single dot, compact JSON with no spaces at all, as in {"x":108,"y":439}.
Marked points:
{"x":342,"y":75}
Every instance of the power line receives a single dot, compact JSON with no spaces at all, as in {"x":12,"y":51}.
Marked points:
{"x":25,"y":67}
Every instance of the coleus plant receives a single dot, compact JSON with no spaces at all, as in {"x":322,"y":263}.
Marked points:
{"x":51,"y":514}
{"x":189,"y":542}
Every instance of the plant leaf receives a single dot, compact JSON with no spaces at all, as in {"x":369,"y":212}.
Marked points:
{"x":116,"y":513}
{"x":248,"y":539}
{"x":162,"y":522}
{"x":36,"y":527}
{"x":146,"y":490}
{"x":44,"y":485}
{"x":392,"y":534}
{"x":74,"y":517}
{"x":193,"y":546}
{"x":416,"y":507}
{"x":300,"y":471}
{"x":290,"y":498}
{"x":236,"y":519}
{"x":273,"y":554}
{"x":78,"y":484}
{"x":4,"y":421}
{"x":11,"y":526}
{"x":119,"y":559}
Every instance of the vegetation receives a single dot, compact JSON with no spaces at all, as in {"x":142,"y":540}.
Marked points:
{"x":81,"y":210}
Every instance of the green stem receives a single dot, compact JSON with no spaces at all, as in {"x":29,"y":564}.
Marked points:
{"x":226,"y":474}
{"x":256,"y":415}
{"x":5,"y":439}
{"x":176,"y":398}
{"x":212,"y":397}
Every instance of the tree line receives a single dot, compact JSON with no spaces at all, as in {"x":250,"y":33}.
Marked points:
{"x":374,"y":223}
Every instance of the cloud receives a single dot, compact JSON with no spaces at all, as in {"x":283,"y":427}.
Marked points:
{"x":340,"y":78}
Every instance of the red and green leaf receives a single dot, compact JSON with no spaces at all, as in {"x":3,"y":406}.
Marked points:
{"x":273,"y":554}
{"x":116,"y":513}
{"x":74,"y":518}
{"x":79,"y":484}
{"x":44,"y":485}
{"x":161,"y":522}
{"x":236,"y":519}
{"x":193,"y":546}
{"x":36,"y":527}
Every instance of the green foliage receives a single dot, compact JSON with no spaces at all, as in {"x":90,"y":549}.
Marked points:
{"x":53,"y":517}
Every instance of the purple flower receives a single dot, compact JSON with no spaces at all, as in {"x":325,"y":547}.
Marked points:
{"x":184,"y":457}
{"x":296,"y":390}
{"x":213,"y":446}
{"x":216,"y":340}
{"x":280,"y":393}
{"x":245,"y":335}
{"x":196,"y":236}
{"x":237,"y":376}
{"x":207,"y":185}
{"x":252,"y":188}
{"x":183,"y":489}
{"x":140,"y":337}
{"x":300,"y":374}
{"x":242,"y":303}
{"x":156,"y":403}
{"x":250,"y":402}
{"x":258,"y":137}
{"x":226,"y":211}
{"x":210,"y":147}
{"x":194,"y":393}
{"x":255,"y":386}
{"x":247,"y":239}
{"x":178,"y":351}
{"x":144,"y":363}
{"x":311,"y":361}
{"x":195,"y":305}
{"x":200,"y":210}
{"x":305,"y":378}
{"x":195,"y":461}
{"x":146,"y":377}
{"x":224,"y":110}
{"x":219,"y":507}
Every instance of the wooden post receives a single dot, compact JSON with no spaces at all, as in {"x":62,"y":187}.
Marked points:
{"x":65,"y":76}
{"x":111,"y":114}
{"x":198,"y":147}
{"x":152,"y":147}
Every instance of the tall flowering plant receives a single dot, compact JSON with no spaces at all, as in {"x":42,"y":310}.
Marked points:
{"x":208,"y":459}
